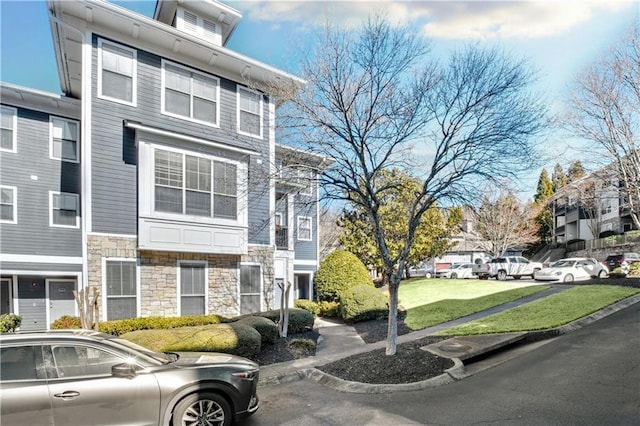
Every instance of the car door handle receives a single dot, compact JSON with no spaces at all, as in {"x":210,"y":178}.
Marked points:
{"x":67,"y":394}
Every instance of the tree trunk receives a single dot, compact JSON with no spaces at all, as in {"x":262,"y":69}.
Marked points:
{"x":392,"y":327}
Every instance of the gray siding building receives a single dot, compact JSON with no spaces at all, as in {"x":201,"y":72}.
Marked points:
{"x":156,"y":179}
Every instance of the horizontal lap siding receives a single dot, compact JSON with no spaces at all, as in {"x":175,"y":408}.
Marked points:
{"x":306,"y":206}
{"x":114,"y":162}
{"x":34,"y":174}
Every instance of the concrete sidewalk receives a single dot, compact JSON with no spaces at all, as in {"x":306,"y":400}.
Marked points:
{"x":339,"y":341}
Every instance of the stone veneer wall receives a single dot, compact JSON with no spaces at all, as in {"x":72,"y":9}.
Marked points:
{"x":158,"y":274}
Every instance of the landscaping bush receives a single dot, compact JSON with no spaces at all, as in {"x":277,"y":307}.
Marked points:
{"x":363,"y":303}
{"x":329,"y":309}
{"x":267,"y":328}
{"x":307,"y":305}
{"x":234,"y":338}
{"x":9,"y":323}
{"x":66,"y":321}
{"x":299,"y":319}
{"x":634,"y":269}
{"x":119,"y":327}
{"x":340,"y":271}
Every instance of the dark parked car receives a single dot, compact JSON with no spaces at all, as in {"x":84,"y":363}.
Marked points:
{"x":622,"y":261}
{"x":79,"y":377}
{"x":421,"y":270}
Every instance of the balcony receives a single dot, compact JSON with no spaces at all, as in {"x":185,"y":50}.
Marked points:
{"x":282,"y":238}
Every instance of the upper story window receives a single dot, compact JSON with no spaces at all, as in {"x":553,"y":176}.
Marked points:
{"x":116,"y":72}
{"x":190,"y":94}
{"x":249,"y":112}
{"x":8,"y":204}
{"x":64,"y":210}
{"x":63,"y":142}
{"x":195,"y":185}
{"x":9,"y":123}
{"x":304,"y":228}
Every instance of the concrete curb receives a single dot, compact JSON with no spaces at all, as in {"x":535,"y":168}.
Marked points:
{"x":457,"y":372}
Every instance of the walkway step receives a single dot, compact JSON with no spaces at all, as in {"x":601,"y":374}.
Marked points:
{"x":467,"y":347}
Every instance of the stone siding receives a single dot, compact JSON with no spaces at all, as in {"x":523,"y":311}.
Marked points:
{"x":158,"y":274}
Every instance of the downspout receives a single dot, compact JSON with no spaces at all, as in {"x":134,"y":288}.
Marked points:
{"x":84,"y":126}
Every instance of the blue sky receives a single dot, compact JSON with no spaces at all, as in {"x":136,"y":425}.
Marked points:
{"x":560,"y":37}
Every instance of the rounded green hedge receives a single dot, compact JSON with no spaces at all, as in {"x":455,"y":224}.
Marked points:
{"x":363,"y":303}
{"x":267,"y":328}
{"x":340,"y":271}
{"x":233,"y":338}
{"x":299,"y":319}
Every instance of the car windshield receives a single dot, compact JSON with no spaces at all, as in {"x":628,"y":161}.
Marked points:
{"x":563,"y":263}
{"x":163,"y":358}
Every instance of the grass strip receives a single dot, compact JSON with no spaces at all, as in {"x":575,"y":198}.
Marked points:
{"x":447,"y":310}
{"x":551,"y":312}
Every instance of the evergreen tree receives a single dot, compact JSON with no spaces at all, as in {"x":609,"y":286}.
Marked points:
{"x":545,"y":187}
{"x":558,"y":178}
{"x":575,"y":171}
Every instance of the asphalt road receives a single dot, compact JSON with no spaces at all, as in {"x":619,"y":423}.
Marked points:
{"x":588,"y":377}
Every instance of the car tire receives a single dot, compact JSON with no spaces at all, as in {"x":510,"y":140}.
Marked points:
{"x":427,"y":275}
{"x":213,"y":406}
{"x":502,"y":276}
{"x":568,"y":278}
{"x":454,"y":276}
{"x":602,"y":274}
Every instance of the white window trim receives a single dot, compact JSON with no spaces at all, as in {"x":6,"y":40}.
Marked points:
{"x":240,"y":293}
{"x":260,"y":107}
{"x":15,"y":204}
{"x":14,"y":124}
{"x":134,"y":77}
{"x":104,"y":295}
{"x":179,"y":286}
{"x":241,"y":187}
{"x":51,"y":155}
{"x":300,"y":219}
{"x":9,"y":281}
{"x":54,"y":225}
{"x":182,"y":117}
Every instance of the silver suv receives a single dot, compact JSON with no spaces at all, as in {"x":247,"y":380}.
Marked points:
{"x":79,"y":377}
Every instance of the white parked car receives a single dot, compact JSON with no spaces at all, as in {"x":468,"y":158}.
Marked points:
{"x":456,"y":270}
{"x":572,"y":269}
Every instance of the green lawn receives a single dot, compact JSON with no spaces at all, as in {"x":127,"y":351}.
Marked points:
{"x":452,"y":299}
{"x":550,"y":312}
{"x":418,"y":292}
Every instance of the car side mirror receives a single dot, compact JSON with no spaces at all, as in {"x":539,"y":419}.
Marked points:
{"x":125,"y":370}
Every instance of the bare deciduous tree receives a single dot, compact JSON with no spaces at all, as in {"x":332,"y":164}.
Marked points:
{"x":505,"y":222}
{"x":374,"y":100}
{"x":604,"y":107}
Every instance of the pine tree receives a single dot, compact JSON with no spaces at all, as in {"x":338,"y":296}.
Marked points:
{"x":558,"y":178}
{"x":575,"y":171}
{"x":545,"y":187}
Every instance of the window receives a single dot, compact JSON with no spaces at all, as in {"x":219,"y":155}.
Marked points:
{"x":304,"y":228}
{"x":18,"y":363}
{"x":8,"y":204}
{"x":189,"y":94}
{"x":78,"y":361}
{"x":249,"y":112}
{"x":8,"y":124}
{"x":116,"y":72}
{"x":120,"y":283}
{"x":64,"y":210}
{"x":192,"y":288}
{"x":64,"y":140}
{"x":250,"y":279}
{"x":195,"y":185}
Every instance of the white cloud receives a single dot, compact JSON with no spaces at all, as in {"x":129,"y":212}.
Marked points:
{"x":443,"y":19}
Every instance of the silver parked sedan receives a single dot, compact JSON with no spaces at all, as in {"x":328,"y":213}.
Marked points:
{"x":80,"y":377}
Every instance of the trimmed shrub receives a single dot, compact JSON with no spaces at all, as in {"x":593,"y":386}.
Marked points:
{"x":119,"y":327}
{"x":268,"y":329}
{"x":329,"y":309}
{"x":634,"y":269}
{"x":233,"y":338}
{"x":9,"y":323}
{"x":307,"y":305}
{"x":363,"y":303}
{"x":301,"y":347}
{"x":299,"y":319}
{"x":340,"y":271}
{"x":66,"y":321}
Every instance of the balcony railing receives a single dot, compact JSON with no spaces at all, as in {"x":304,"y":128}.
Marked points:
{"x":282,"y":238}
{"x":612,"y":241}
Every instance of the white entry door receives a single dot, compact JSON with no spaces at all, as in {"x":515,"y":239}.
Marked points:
{"x":61,"y":300}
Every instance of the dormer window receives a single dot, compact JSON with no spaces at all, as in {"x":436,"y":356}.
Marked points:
{"x":198,"y":26}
